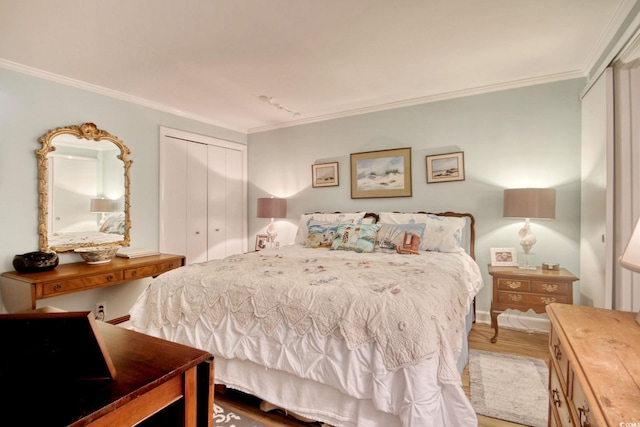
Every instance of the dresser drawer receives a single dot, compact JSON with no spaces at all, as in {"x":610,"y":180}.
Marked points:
{"x":559,"y":359}
{"x":510,"y":284}
{"x":72,"y":285}
{"x":558,"y":402}
{"x":540,"y":287}
{"x":580,"y":405}
{"x":150,"y":270}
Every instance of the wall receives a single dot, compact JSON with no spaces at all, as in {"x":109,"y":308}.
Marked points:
{"x":29,"y":107}
{"x":526,"y":137}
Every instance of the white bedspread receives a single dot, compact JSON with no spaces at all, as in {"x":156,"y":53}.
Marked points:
{"x":399,"y":316}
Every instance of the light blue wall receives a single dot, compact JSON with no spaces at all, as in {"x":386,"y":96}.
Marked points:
{"x":526,"y":137}
{"x":521,"y":137}
{"x":29,"y":107}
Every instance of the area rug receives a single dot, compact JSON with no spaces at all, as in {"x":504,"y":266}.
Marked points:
{"x":508,"y":387}
{"x":223,"y":417}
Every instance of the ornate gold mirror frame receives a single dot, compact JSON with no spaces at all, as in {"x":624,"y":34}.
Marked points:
{"x":90,"y":132}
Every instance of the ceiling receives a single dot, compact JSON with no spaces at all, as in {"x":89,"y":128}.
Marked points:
{"x":252,"y":65}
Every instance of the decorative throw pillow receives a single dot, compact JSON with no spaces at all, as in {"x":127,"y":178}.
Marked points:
{"x":355,"y":237}
{"x":321,"y":233}
{"x":441,"y":234}
{"x":303,"y":225}
{"x":114,"y":224}
{"x":400,"y":238}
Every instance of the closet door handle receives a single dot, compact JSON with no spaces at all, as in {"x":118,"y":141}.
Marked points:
{"x":197,"y":232}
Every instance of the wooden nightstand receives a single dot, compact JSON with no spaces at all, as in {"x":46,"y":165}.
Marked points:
{"x":514,"y":288}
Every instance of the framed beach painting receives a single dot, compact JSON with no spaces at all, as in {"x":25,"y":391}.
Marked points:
{"x":385,"y":173}
{"x":325,"y":175}
{"x":445,"y":167}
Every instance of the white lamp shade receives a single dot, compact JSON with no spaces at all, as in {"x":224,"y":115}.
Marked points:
{"x":630,"y":258}
{"x":272,"y":207}
{"x":538,"y":203}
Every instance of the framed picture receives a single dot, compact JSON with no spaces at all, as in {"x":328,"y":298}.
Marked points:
{"x":261,"y":241}
{"x":504,"y":257}
{"x":325,"y":175}
{"x":445,"y":167}
{"x":385,"y":173}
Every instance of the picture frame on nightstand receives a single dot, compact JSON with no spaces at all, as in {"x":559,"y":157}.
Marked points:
{"x":504,"y":257}
{"x":261,"y":241}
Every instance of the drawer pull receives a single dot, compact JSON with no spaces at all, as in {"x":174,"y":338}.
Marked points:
{"x":514,"y":285}
{"x":556,"y":352}
{"x":134,"y":273}
{"x":550,"y":287}
{"x":515,"y":297}
{"x":110,"y":277}
{"x":556,"y":397}
{"x":583,"y":413}
{"x":171,"y":265}
{"x":57,"y":287}
{"x":547,"y":300}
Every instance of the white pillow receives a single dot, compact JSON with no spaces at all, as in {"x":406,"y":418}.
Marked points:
{"x":303,"y":225}
{"x":441,"y":233}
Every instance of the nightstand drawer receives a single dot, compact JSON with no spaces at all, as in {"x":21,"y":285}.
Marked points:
{"x":510,"y":284}
{"x":51,"y":289}
{"x":549,"y":287}
{"x":532,"y":300}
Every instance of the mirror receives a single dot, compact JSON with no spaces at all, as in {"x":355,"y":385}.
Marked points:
{"x":83,"y":187}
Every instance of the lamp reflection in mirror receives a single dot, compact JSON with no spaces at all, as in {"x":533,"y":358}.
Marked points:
{"x":630,"y":258}
{"x":102,"y":206}
{"x":272,"y":207}
{"x":529,"y":203}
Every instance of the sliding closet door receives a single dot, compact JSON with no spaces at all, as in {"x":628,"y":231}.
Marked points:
{"x":596,"y":228}
{"x":226,"y":217}
{"x":202,"y":196}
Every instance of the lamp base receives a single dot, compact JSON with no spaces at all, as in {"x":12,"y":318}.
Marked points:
{"x":527,"y":261}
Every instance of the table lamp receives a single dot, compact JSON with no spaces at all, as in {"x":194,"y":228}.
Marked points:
{"x":272,"y":207}
{"x":630,"y":258}
{"x":529,"y":203}
{"x":102,"y":206}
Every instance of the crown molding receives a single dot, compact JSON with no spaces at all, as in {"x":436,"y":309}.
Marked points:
{"x":56,"y":78}
{"x":425,"y":100}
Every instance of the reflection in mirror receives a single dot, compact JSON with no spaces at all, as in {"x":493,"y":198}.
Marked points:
{"x":83,"y":189}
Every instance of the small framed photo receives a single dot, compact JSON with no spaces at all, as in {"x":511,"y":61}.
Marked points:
{"x":325,"y":175}
{"x":261,"y":241}
{"x":504,"y":257}
{"x":445,"y":167}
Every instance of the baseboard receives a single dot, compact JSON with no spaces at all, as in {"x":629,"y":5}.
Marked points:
{"x":513,"y":319}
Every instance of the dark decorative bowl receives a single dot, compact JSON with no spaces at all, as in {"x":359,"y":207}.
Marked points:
{"x":33,"y":262}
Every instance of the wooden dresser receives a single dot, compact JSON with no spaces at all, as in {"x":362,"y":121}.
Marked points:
{"x":594,"y":374}
{"x":515,"y":288}
{"x":20,"y":291}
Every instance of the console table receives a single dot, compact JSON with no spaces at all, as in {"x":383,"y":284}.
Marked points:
{"x":20,"y":291}
{"x":157,"y":383}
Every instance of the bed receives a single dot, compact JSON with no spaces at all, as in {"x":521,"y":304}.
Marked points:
{"x":362,"y":321}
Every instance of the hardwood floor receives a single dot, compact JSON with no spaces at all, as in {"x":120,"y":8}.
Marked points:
{"x":509,"y":341}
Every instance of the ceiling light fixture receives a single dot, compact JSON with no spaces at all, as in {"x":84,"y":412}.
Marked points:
{"x":273,"y":102}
